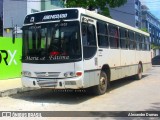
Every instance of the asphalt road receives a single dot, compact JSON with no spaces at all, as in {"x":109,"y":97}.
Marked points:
{"x":124,"y":95}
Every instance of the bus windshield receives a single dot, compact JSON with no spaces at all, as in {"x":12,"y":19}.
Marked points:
{"x":52,"y":42}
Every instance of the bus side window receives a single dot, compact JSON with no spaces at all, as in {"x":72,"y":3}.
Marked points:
{"x":113,"y":36}
{"x":147,"y":43}
{"x":140,"y":42}
{"x":136,"y":39}
{"x":131,"y":40}
{"x":126,"y":39}
{"x":123,"y":38}
{"x":102,"y":33}
{"x":143,"y":42}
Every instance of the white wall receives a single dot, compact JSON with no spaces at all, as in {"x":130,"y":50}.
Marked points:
{"x":157,"y":52}
{"x":33,"y":5}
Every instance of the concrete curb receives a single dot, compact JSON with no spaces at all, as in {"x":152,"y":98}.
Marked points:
{"x":155,"y":65}
{"x":9,"y":92}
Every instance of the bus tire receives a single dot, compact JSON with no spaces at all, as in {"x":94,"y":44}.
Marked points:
{"x":138,"y":76}
{"x":101,"y":88}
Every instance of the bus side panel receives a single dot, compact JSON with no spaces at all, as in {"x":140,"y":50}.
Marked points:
{"x":147,"y":60}
{"x":128,"y":63}
{"x":146,"y":66}
{"x":86,"y":79}
{"x":91,"y":78}
{"x":115,"y":73}
{"x":110,"y":57}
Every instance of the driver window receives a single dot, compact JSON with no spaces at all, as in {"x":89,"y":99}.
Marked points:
{"x":88,"y":34}
{"x":88,"y":40}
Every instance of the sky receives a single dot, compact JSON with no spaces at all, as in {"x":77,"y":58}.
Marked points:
{"x":154,"y":6}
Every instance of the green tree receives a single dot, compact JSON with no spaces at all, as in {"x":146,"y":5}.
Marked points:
{"x":103,"y":5}
{"x":154,"y":46}
{"x":144,"y":29}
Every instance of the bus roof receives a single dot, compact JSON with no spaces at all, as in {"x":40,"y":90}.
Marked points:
{"x":96,"y":16}
{"x":115,"y":22}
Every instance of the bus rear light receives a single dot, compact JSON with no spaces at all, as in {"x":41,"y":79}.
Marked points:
{"x":78,"y":73}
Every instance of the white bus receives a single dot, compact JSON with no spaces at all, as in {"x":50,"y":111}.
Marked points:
{"x":73,"y":48}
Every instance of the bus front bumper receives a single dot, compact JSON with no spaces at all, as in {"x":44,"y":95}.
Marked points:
{"x":68,"y":83}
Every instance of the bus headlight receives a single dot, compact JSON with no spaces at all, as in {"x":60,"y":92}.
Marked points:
{"x":66,"y":74}
{"x":69,"y":74}
{"x":26,"y":73}
{"x":72,"y":74}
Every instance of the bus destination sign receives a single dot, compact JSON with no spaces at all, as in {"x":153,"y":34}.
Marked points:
{"x":51,"y":16}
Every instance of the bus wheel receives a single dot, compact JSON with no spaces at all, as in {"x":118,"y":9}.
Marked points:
{"x":139,"y":72}
{"x":103,"y":82}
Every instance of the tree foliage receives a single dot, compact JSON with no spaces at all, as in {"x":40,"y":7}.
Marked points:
{"x":154,"y":46}
{"x":103,"y":5}
{"x":144,"y":30}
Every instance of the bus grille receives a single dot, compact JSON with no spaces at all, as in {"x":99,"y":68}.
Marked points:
{"x":47,"y":83}
{"x":47,"y":74}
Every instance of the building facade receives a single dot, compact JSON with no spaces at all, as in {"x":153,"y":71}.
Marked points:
{"x":51,"y":4}
{"x":1,"y":17}
{"x":137,"y":15}
{"x":14,"y":12}
{"x":152,"y":25}
{"x":129,"y":13}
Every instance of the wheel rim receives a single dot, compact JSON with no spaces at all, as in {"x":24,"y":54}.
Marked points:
{"x":103,"y":83}
{"x":140,"y":72}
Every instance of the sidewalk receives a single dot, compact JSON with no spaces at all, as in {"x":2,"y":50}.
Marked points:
{"x":11,"y":86}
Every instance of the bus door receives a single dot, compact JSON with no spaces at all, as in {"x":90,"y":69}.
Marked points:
{"x":89,"y":51}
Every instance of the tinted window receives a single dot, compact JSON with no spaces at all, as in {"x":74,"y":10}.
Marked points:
{"x":88,"y":34}
{"x":143,"y":42}
{"x":123,"y":38}
{"x":147,"y":43}
{"x":138,"y":41}
{"x":102,"y":34}
{"x":55,"y":42}
{"x":131,"y":40}
{"x":89,"y":40}
{"x":113,"y":36}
